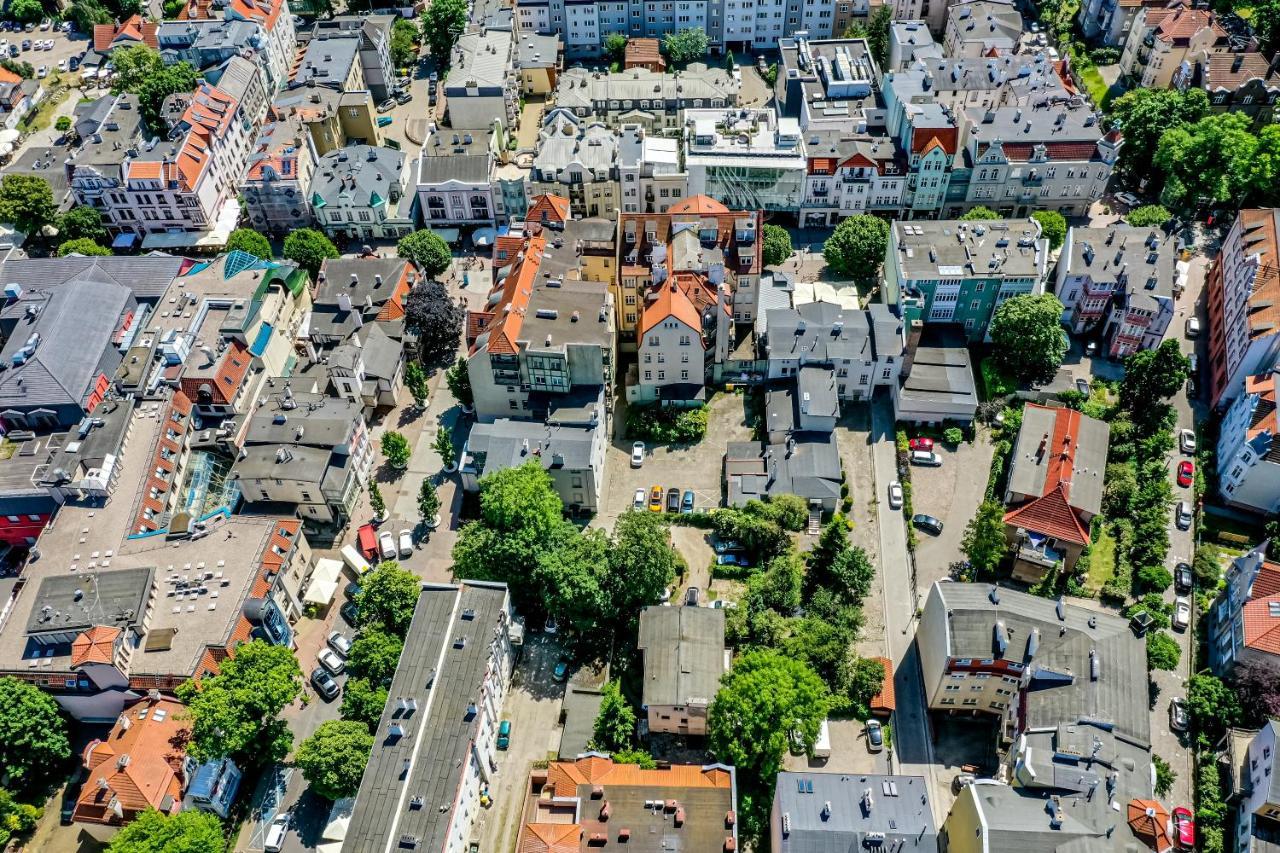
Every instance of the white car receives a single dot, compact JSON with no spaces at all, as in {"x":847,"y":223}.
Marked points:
{"x":1128,"y":199}
{"x":340,"y":643}
{"x":1182,"y":515}
{"x":46,"y":24}
{"x":1187,"y":441}
{"x":895,"y":495}
{"x":387,"y":545}
{"x":273,"y":840}
{"x":637,"y":454}
{"x":406,"y":543}
{"x":42,"y":72}
{"x":1181,"y":614}
{"x":1193,"y":327}
{"x":330,"y":660}
{"x":638,"y":502}
{"x":62,"y":65}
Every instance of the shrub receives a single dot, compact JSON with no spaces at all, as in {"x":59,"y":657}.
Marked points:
{"x":953,"y":436}
{"x":1154,"y":579}
{"x":667,"y":424}
{"x":1163,"y":651}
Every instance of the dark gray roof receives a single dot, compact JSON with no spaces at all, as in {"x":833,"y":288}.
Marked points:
{"x":810,"y":467}
{"x":508,"y":444}
{"x":1030,"y":464}
{"x":1145,"y":257}
{"x":580,"y":708}
{"x":836,"y":812}
{"x":74,"y":603}
{"x":456,"y":154}
{"x":327,"y":62}
{"x":683,"y":654}
{"x":358,"y":172}
{"x":818,"y":331}
{"x":437,"y":741}
{"x":324,"y":421}
{"x":997,"y":249}
{"x":816,"y":391}
{"x":941,"y":378}
{"x":147,"y":276}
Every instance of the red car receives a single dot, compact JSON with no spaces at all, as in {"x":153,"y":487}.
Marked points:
{"x":921,"y":444}
{"x":1184,"y":828}
{"x":1185,"y":472}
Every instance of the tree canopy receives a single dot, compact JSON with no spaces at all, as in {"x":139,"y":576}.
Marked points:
{"x":82,"y":222}
{"x":777,"y":245}
{"x":375,"y":654}
{"x":248,"y":240}
{"x":188,"y":831}
{"x":387,"y":598}
{"x":433,"y":315}
{"x":980,"y":213}
{"x":26,"y":10}
{"x":685,"y":45}
{"x":1027,"y":337}
{"x":856,"y":248}
{"x":984,"y":540}
{"x":396,"y":448}
{"x":363,"y":702}
{"x":236,"y":712}
{"x":1144,"y":115}
{"x":427,"y":251}
{"x":442,"y":23}
{"x":1163,"y":651}
{"x":615,"y":45}
{"x":1053,"y":227}
{"x":878,"y":34}
{"x":1152,"y":376}
{"x":309,"y":249}
{"x":404,"y":42}
{"x":763,"y":699}
{"x":82,"y":246}
{"x":1218,"y":160}
{"x":333,"y":759}
{"x":140,"y":70}
{"x":1148,"y":216}
{"x":615,"y":725}
{"x":33,"y":734}
{"x":26,"y":201}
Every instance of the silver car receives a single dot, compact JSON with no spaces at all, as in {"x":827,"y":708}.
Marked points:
{"x":1182,"y":515}
{"x":895,"y":495}
{"x":1181,"y":614}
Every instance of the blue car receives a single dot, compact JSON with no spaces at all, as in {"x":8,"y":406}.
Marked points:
{"x":686,"y":504}
{"x":733,"y":560}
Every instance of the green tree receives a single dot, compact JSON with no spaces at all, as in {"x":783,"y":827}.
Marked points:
{"x":15,"y":817}
{"x":333,"y":759}
{"x":1163,"y":651}
{"x":404,"y":42}
{"x":1053,"y":227}
{"x":26,"y":201}
{"x":459,"y":382}
{"x":1206,"y":565}
{"x":778,"y":586}
{"x":791,"y":512}
{"x":415,"y":379}
{"x":615,"y":725}
{"x":642,"y":563}
{"x":248,"y":240}
{"x":1027,"y":337}
{"x":396,"y":448}
{"x":1213,"y":706}
{"x":86,"y":13}
{"x":432,"y":314}
{"x":866,"y":682}
{"x":1207,"y":162}
{"x":62,"y":125}
{"x":26,"y":10}
{"x":188,"y":831}
{"x":374,"y":655}
{"x":853,"y":572}
{"x":638,"y":757}
{"x":615,"y":46}
{"x":33,"y":734}
{"x":82,"y":246}
{"x":427,"y":251}
{"x":685,"y":46}
{"x":777,"y":245}
{"x":236,"y":712}
{"x":25,"y":70}
{"x":428,"y":501}
{"x":309,"y":248}
{"x":140,"y":70}
{"x":363,"y":702}
{"x":878,"y":34}
{"x":82,"y":222}
{"x":1165,"y":776}
{"x":1152,"y":376}
{"x":1148,"y":216}
{"x":1121,"y":485}
{"x":376,"y":503}
{"x":984,"y":540}
{"x":387,"y":598}
{"x":444,"y":446}
{"x":442,"y":23}
{"x":762,"y":700}
{"x":832,"y":542}
{"x":1266,"y":25}
{"x":571,"y":580}
{"x":856,"y":248}
{"x":133,"y":65}
{"x":980,"y":213}
{"x":1143,"y":115}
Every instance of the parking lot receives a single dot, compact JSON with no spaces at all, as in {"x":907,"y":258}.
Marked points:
{"x":951,"y":493}
{"x":849,"y":752}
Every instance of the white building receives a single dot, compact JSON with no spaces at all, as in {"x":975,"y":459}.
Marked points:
{"x":455,"y":172}
{"x":276,"y":21}
{"x":1243,"y":290}
{"x":480,"y":86}
{"x":745,"y":159}
{"x":1249,"y":448}
{"x":862,"y":349}
{"x":674,"y":337}
{"x":977,"y":27}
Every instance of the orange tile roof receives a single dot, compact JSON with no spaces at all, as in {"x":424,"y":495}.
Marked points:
{"x":1264,"y":415}
{"x":703,"y":205}
{"x":672,"y":301}
{"x":264,"y":12}
{"x":548,"y":208}
{"x":1180,"y":24}
{"x":134,"y":30}
{"x":7,"y":76}
{"x":551,"y":838}
{"x":164,"y":470}
{"x":1051,"y":513}
{"x":564,"y":777}
{"x":1267,"y":582}
{"x":509,"y":300}
{"x":928,"y":138}
{"x":139,"y":764}
{"x":884,"y":701}
{"x":97,"y":645}
{"x":1149,"y":820}
{"x":1261,"y":628}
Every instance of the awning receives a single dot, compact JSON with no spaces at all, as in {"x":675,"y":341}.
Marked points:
{"x":484,"y":236}
{"x":260,"y":342}
{"x":8,"y":134}
{"x":124,"y":240}
{"x":449,"y":235}
{"x":324,"y":582}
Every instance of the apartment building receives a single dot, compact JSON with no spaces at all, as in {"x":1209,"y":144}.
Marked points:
{"x":684,"y":659}
{"x":277,"y":184}
{"x":334,"y":119}
{"x":650,"y":178}
{"x":863,"y":349}
{"x":358,"y":193}
{"x":1117,"y":283}
{"x":976,"y":28}
{"x":276,"y":21}
{"x":372,"y":34}
{"x":1243,"y":620}
{"x":541,"y":61}
{"x":1243,"y":83}
{"x":456,"y":178}
{"x":1163,"y":39}
{"x":746,"y":159}
{"x":577,"y":160}
{"x":478,"y":88}
{"x":829,"y":84}
{"x":959,"y":272}
{"x":210,"y":42}
{"x":909,"y":42}
{"x":439,"y":733}
{"x":1243,"y":286}
{"x":569,"y":446}
{"x":847,"y":174}
{"x":816,"y":812}
{"x":653,"y":100}
{"x":110,"y":136}
{"x":1110,"y":21}
{"x":1257,"y":824}
{"x":1249,"y":447}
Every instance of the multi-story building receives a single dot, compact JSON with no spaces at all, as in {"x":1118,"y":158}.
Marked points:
{"x":277,"y":185}
{"x":1249,"y":447}
{"x":478,"y":88}
{"x":848,"y":174}
{"x":1109,"y":22}
{"x":747,"y":159}
{"x":332,"y":63}
{"x":985,"y":83}
{"x":570,"y":447}
{"x":353,"y":292}
{"x":1117,"y":283}
{"x":334,"y":119}
{"x":863,"y":348}
{"x":975,"y":28}
{"x":358,"y":193}
{"x":910,"y":41}
{"x":684,"y":659}
{"x":372,"y":34}
{"x":132,"y":32}
{"x":246,"y":81}
{"x":650,"y":179}
{"x":456,"y":174}
{"x":1243,"y":286}
{"x":210,"y":42}
{"x":1242,"y":83}
{"x":1241,"y":625}
{"x":1162,"y":39}
{"x":439,"y":730}
{"x":654,"y":100}
{"x":576,"y":160}
{"x":112,"y":135}
{"x":829,"y":84}
{"x":541,"y":61}
{"x":960,"y":272}
{"x":1257,"y":816}
{"x":276,"y":21}
{"x":815,"y":812}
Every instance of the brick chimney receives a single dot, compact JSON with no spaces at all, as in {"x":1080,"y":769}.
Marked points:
{"x":913,"y":343}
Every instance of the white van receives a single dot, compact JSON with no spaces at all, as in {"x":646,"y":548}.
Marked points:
{"x":355,"y":562}
{"x":822,"y":746}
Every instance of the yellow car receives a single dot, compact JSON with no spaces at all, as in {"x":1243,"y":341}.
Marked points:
{"x":655,"y":499}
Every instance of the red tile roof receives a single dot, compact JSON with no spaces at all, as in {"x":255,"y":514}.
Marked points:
{"x":671,"y":301}
{"x":548,"y":208}
{"x":1261,"y":627}
{"x":1182,"y":23}
{"x":1267,"y":582}
{"x":133,"y":31}
{"x":509,"y":300}
{"x":703,"y":205}
{"x":97,"y":645}
{"x":924,"y":139}
{"x":1051,"y":513}
{"x":139,"y":764}
{"x":884,"y":701}
{"x":1021,"y":151}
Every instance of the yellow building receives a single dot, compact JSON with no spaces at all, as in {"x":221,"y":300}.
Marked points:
{"x":540,"y":61}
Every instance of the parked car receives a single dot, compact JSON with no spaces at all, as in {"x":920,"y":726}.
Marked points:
{"x":686,"y":502}
{"x":1082,"y":385}
{"x":875,"y":736}
{"x":329,"y":660}
{"x":895,"y":495}
{"x":42,"y":72}
{"x":561,"y":670}
{"x":350,"y":613}
{"x":277,"y":831}
{"x":1181,"y":614}
{"x":1179,"y":717}
{"x":691,"y":597}
{"x":925,"y":457}
{"x":1186,"y":471}
{"x":655,"y":499}
{"x":46,"y":24}
{"x":722,"y":604}
{"x":1187,"y":441}
{"x":1193,"y":327}
{"x":385,"y":121}
{"x":387,"y":106}
{"x":387,"y":545}
{"x":551,"y":626}
{"x":1182,"y":578}
{"x":920,"y":444}
{"x":323,"y":682}
{"x":406,"y":543}
{"x":637,"y":503}
{"x":732,"y":560}
{"x":26,"y":44}
{"x":1184,"y":828}
{"x":1182,"y":515}
{"x":62,"y":65}
{"x":673,"y":499}
{"x":724,"y":546}
{"x":761,"y":64}
{"x":637,"y":454}
{"x":339,"y":642}
{"x":504,"y":734}
{"x":1128,"y":199}
{"x":404,"y":98}
{"x":1091,"y":348}
{"x":927,"y":523}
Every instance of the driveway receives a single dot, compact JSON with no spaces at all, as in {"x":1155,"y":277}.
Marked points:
{"x":951,"y":493}
{"x":849,"y":753}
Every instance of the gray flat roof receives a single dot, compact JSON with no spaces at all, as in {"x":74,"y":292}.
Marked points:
{"x":683,"y":654}
{"x":70,"y":603}
{"x":954,"y":249}
{"x":898,"y":808}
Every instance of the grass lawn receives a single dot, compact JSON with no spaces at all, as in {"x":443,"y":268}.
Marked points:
{"x":1102,"y":561}
{"x":994,"y":382}
{"x":1229,"y":531}
{"x":42,"y":116}
{"x":1095,"y":84}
